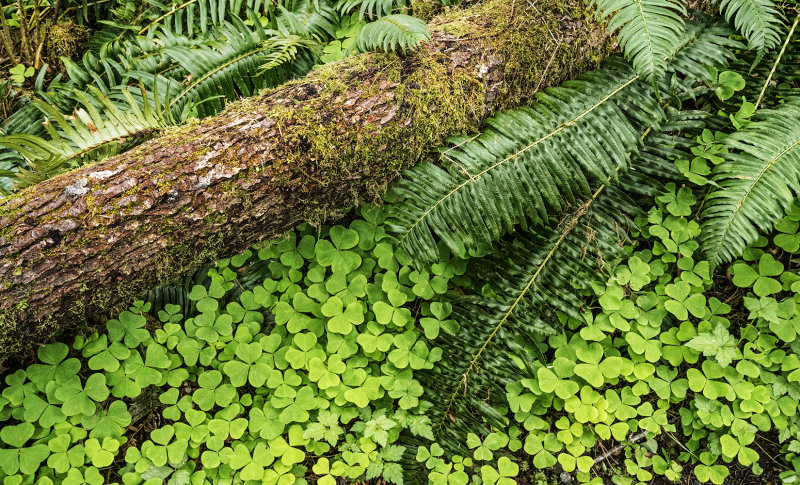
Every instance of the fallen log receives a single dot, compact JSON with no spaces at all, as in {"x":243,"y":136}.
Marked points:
{"x":77,"y":248}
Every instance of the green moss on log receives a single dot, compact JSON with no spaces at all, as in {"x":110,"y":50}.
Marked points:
{"x":330,"y":138}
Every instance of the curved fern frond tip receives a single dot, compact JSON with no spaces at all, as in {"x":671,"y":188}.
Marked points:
{"x":393,"y":32}
{"x":282,"y":50}
{"x":759,"y":21}
{"x":647,"y":31}
{"x":527,"y":166}
{"x":757,"y":183}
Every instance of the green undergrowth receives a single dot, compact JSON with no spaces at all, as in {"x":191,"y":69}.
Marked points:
{"x":309,"y":373}
{"x":311,"y":359}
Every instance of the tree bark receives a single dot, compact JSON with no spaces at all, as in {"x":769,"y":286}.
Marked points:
{"x":79,"y":247}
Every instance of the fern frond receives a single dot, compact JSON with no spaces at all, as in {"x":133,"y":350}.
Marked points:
{"x":307,"y":18}
{"x":702,"y":43}
{"x":773,"y":72}
{"x":758,"y":20}
{"x":219,"y":72}
{"x":143,"y":54}
{"x":527,"y":166}
{"x":776,"y":64}
{"x":370,"y":8}
{"x":538,"y":278}
{"x":199,"y":15}
{"x":177,"y":292}
{"x":392,"y":32}
{"x":284,"y":49}
{"x":8,"y":160}
{"x":647,"y":31}
{"x":757,"y":182}
{"x":535,"y":276}
{"x":98,"y":129}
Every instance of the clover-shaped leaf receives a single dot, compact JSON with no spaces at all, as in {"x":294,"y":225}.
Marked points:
{"x":19,"y":73}
{"x":101,"y":454}
{"x":54,"y":367}
{"x":336,"y":254}
{"x":212,"y":391}
{"x":678,"y":203}
{"x":109,"y":423}
{"x":80,"y":398}
{"x":503,"y":475}
{"x":326,"y":375}
{"x":249,"y":366}
{"x":728,"y":83}
{"x":128,"y":329}
{"x":550,"y":382}
{"x":26,"y":460}
{"x":342,"y":319}
{"x":762,"y":280}
{"x":682,"y":302}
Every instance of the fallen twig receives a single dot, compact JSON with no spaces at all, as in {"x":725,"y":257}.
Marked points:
{"x":613,"y":451}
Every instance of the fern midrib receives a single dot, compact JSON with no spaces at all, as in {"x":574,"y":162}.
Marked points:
{"x":757,"y":13}
{"x":568,"y":227}
{"x":735,"y":212}
{"x":399,"y":26}
{"x":681,"y":46}
{"x":649,"y":37}
{"x":474,"y":178}
{"x":211,"y":73}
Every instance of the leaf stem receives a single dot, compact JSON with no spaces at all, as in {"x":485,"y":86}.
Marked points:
{"x":777,"y":61}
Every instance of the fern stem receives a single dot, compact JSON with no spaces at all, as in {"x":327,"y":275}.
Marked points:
{"x":24,"y":47}
{"x":777,"y":61}
{"x":159,"y":19}
{"x":6,"y":37}
{"x":553,"y":133}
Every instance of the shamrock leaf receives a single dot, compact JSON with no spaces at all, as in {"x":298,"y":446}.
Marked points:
{"x":80,"y":399}
{"x":678,"y":203}
{"x":249,"y":366}
{"x":110,"y":423}
{"x":128,"y":329}
{"x":342,"y":319}
{"x":336,"y":255}
{"x":54,"y":367}
{"x":681,"y":301}
{"x":728,"y":83}
{"x":762,"y":282}
{"x":212,"y":391}
{"x":19,"y":73}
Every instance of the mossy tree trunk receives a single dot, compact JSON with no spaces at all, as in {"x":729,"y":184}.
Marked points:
{"x":77,"y":247}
